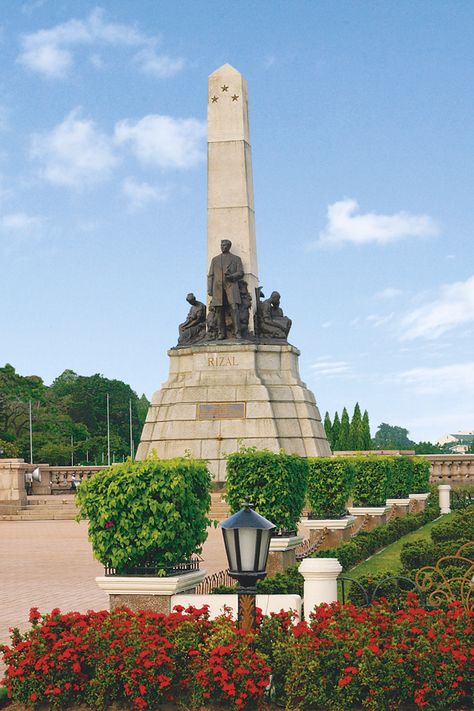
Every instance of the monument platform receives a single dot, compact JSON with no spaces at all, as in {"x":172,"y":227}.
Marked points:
{"x":220,"y":396}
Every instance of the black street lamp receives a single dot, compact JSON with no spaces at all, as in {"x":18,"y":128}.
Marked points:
{"x":247,"y":538}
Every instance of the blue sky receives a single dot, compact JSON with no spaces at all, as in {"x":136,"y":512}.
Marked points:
{"x":362,"y":129}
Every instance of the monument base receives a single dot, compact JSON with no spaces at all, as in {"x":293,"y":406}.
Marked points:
{"x":221,"y":396}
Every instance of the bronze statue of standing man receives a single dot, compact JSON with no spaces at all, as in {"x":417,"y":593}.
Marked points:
{"x":222,"y":285}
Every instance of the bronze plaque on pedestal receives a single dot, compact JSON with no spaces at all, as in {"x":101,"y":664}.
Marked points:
{"x":221,"y":411}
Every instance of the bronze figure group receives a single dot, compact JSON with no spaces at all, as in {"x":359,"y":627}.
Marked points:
{"x":229,"y":307}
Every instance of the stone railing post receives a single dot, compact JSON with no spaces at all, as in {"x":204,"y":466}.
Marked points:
{"x":320,"y":582}
{"x":12,"y":485}
{"x":444,"y":492}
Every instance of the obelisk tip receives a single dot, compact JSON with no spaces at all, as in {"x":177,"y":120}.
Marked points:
{"x":226,"y":69}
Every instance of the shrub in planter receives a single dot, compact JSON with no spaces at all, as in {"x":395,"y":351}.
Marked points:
{"x":421,"y":476}
{"x":148,"y":514}
{"x":400,"y":482}
{"x":371,"y":480}
{"x":330,"y":482}
{"x":274,"y":483}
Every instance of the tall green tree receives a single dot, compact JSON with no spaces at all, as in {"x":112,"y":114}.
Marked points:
{"x":328,"y":428}
{"x":366,"y":431}
{"x":343,"y":440}
{"x":392,"y":437}
{"x":336,"y":428}
{"x":356,"y":433}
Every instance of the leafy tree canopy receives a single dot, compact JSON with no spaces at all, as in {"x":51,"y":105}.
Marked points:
{"x":392,"y":437}
{"x":69,"y":417}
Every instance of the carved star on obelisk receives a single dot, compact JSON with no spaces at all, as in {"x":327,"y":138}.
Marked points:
{"x":235,"y":97}
{"x":224,"y":88}
{"x":214,"y":99}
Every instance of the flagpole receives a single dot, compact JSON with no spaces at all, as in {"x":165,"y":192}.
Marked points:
{"x":108,"y":430}
{"x":31,"y":435}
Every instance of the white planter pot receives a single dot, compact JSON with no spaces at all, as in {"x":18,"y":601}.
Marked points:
{"x":418,"y":497}
{"x":144,"y":585}
{"x":398,"y":502}
{"x":281,"y":544}
{"x":368,"y":510}
{"x":332,"y":524}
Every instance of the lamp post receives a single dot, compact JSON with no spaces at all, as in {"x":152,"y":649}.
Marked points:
{"x":247,"y":541}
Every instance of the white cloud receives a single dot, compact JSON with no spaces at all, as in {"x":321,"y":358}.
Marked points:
{"x":327,"y":366}
{"x":447,"y":379}
{"x":345,"y":226}
{"x":453,"y":307}
{"x":380,"y":319}
{"x":142,"y":194}
{"x":50,"y":52}
{"x":164,"y":141}
{"x":389,"y":293}
{"x":19,"y":222}
{"x":158,"y":65}
{"x":75,"y":153}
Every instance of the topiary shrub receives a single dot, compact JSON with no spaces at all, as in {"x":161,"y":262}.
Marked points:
{"x":421,"y":476}
{"x":147,"y":514}
{"x":274,"y":483}
{"x":400,"y":482}
{"x":371,"y":480}
{"x":330,"y":482}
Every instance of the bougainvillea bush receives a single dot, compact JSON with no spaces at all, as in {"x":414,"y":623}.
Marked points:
{"x":136,"y":660}
{"x":151,"y":513}
{"x":374,"y":658}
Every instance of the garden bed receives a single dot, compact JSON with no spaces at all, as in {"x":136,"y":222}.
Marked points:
{"x":347,"y":658}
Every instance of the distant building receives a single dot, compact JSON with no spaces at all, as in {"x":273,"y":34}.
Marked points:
{"x":457,"y":443}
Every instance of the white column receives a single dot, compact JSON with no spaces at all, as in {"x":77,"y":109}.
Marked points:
{"x":230,"y":206}
{"x":444,"y":492}
{"x":320,"y":582}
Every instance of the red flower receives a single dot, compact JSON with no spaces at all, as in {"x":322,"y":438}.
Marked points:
{"x":344,"y":681}
{"x":33,"y":696}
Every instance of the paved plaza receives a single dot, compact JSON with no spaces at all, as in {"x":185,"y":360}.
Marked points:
{"x":49,"y":564}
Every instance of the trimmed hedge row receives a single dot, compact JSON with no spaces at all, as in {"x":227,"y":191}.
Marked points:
{"x":369,"y":480}
{"x":352,"y":552}
{"x":446,"y":538}
{"x":277,"y":484}
{"x":367,"y":543}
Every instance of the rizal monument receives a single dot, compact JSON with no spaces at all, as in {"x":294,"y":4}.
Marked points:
{"x":233,"y":379}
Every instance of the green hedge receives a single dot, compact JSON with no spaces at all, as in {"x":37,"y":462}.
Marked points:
{"x":400,"y":481}
{"x":421,"y":476}
{"x":150,"y":514}
{"x":354,"y":551}
{"x":274,"y":483}
{"x":367,"y":543}
{"x":330,"y":482}
{"x":371,"y":480}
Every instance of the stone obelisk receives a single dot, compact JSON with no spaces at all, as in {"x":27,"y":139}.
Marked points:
{"x":230,"y":205}
{"x":222,"y":394}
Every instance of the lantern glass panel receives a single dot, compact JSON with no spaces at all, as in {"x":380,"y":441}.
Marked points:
{"x":264,"y":546}
{"x":247,"y":542}
{"x":231,"y":549}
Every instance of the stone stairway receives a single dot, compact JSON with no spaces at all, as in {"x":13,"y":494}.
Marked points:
{"x":49,"y":508}
{"x":219,"y":509}
{"x":45,"y":508}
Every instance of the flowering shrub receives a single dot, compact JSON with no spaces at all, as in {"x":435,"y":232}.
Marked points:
{"x":373,"y":658}
{"x":139,"y":660}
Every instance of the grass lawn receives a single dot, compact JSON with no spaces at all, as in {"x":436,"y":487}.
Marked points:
{"x":388,"y":559}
